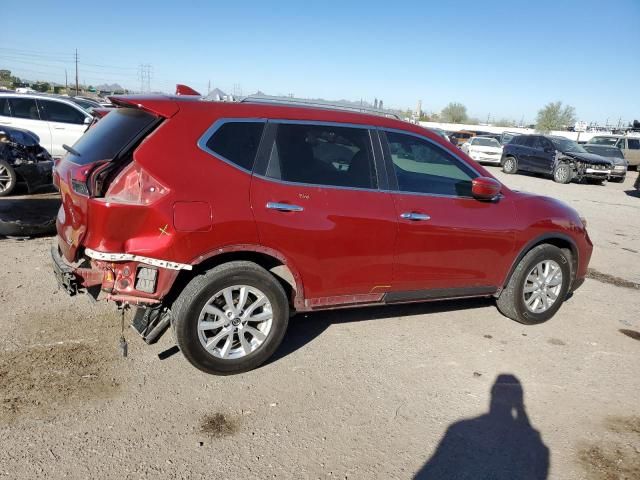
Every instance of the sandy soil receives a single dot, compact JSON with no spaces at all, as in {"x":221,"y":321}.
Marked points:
{"x":441,"y":390}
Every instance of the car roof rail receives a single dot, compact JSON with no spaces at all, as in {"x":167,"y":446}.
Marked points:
{"x":302,"y":102}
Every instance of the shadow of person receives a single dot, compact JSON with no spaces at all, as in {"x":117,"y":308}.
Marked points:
{"x":498,"y":445}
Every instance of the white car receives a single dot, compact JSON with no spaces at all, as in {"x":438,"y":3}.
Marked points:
{"x":55,"y":120}
{"x":483,"y":149}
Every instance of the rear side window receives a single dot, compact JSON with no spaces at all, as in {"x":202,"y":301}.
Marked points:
{"x":237,"y":142}
{"x":423,"y":167}
{"x":60,"y":112}
{"x":24,"y":108}
{"x":633,"y":143}
{"x":111,"y":134}
{"x":323,"y":155}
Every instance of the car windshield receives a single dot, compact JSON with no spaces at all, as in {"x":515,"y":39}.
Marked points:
{"x":603,"y":140}
{"x":485,"y":142}
{"x":566,"y":145}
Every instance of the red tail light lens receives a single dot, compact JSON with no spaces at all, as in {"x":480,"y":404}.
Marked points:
{"x":136,"y":187}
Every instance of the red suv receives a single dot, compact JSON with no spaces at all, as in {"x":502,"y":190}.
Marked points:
{"x":222,"y":219}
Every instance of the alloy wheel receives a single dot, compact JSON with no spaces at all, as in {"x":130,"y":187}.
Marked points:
{"x":5,"y":178}
{"x":235,"y":322}
{"x":542,"y":286}
{"x":562,"y":174}
{"x":509,"y":165}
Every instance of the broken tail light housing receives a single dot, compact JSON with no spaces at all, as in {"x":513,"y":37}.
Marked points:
{"x":134,"y":186}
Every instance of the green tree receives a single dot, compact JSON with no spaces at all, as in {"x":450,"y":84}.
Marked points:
{"x":41,"y":86}
{"x":454,"y":113}
{"x":555,"y":116}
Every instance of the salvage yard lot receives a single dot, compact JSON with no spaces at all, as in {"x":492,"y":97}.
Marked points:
{"x":362,"y":393}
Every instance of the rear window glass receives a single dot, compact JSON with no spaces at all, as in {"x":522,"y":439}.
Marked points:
{"x":237,"y":142}
{"x":110,"y":135}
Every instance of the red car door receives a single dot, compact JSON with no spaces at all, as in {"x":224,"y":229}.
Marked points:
{"x":449,"y":244}
{"x":318,"y":204}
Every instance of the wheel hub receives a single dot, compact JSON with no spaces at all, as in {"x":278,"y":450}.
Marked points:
{"x":542,"y":286}
{"x":235,"y":322}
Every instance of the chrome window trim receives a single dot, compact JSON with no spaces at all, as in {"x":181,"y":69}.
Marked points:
{"x":319,"y":185}
{"x":209,"y":132}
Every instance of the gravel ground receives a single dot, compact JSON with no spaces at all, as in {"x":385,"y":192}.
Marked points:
{"x":440,"y":390}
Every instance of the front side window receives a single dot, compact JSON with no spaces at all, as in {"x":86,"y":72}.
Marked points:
{"x":61,"y":112}
{"x":423,"y":167}
{"x":323,"y":155}
{"x":237,"y":142}
{"x":24,"y":108}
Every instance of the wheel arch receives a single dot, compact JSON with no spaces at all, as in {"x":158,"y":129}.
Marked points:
{"x":557,"y":239}
{"x":267,"y":258}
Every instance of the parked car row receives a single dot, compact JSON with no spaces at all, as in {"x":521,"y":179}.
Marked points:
{"x":56,"y":120}
{"x":562,"y":159}
{"x":605,"y":157}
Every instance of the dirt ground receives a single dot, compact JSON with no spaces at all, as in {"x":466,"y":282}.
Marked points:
{"x":440,"y":390}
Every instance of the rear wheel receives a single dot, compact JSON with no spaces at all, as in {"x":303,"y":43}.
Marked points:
{"x":230,"y":319}
{"x":8,"y":179}
{"x":510,"y":165}
{"x":616,"y":179}
{"x":562,"y":173}
{"x":537,"y":287}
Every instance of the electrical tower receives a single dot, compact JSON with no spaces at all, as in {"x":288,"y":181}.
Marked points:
{"x":144,"y":73}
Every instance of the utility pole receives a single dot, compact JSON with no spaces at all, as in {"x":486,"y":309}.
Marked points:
{"x":77,"y":85}
{"x":209,"y":88}
{"x":66,"y":82}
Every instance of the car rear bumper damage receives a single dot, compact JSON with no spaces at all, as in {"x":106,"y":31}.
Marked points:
{"x":120,"y":277}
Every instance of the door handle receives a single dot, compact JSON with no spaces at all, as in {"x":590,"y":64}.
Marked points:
{"x":5,"y":123}
{"x":284,"y":207}
{"x":414,"y":216}
{"x":58,"y":128}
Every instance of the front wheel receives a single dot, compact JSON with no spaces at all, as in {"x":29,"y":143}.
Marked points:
{"x":537,"y":287}
{"x":562,"y":173}
{"x":510,"y":165}
{"x":7,"y":179}
{"x":230,"y":319}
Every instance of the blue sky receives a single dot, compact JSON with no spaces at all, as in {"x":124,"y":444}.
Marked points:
{"x":504,"y":59}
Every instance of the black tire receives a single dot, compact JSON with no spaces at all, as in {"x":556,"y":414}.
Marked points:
{"x":189,"y":304}
{"x":616,"y":179}
{"x":8,"y":179}
{"x":510,"y":165}
{"x":511,"y":301}
{"x":562,"y":173}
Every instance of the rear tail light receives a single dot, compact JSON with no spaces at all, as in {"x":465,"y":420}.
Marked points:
{"x":135,"y":186}
{"x":79,"y":180}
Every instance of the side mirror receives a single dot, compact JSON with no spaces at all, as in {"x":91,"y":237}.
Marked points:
{"x":485,"y":188}
{"x":88,"y":120}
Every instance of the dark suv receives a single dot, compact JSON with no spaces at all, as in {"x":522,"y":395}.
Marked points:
{"x":220,"y":219}
{"x":562,"y":159}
